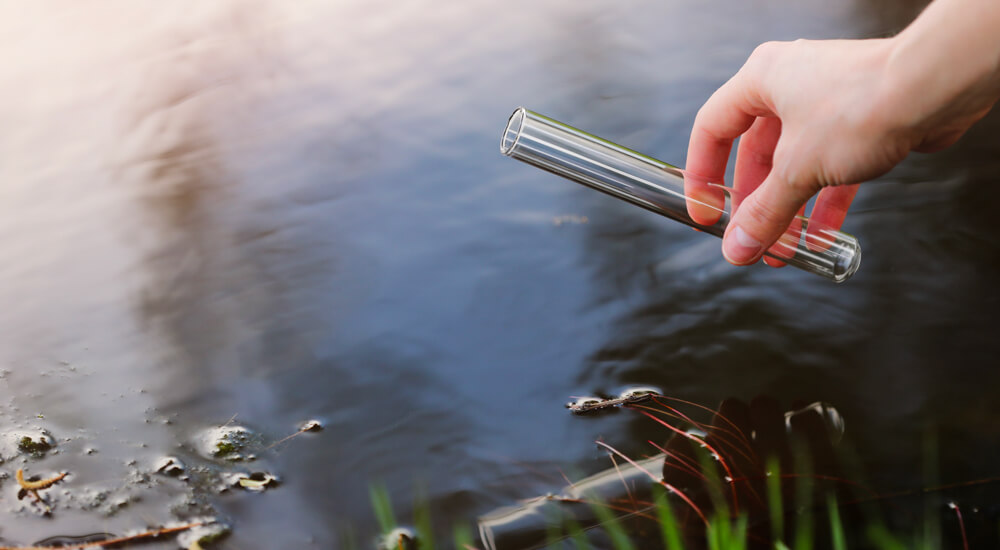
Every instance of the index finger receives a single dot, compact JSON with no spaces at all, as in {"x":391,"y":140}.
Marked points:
{"x":727,"y":114}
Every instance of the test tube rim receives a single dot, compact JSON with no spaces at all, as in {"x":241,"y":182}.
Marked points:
{"x":519,"y":114}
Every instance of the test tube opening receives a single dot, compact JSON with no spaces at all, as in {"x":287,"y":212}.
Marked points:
{"x":513,"y":132}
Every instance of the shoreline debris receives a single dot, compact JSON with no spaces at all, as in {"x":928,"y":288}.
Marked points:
{"x":628,"y":397}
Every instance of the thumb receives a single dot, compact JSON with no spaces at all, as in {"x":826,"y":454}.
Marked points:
{"x":762,"y":218}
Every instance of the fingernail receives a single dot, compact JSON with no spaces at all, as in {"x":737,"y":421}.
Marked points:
{"x":740,"y":248}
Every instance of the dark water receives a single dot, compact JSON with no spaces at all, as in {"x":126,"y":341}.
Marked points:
{"x":293,"y":210}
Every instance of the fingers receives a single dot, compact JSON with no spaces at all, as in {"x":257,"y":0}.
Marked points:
{"x":788,"y":244}
{"x":754,"y":157}
{"x":726,"y":115}
{"x":762,"y":218}
{"x":828,"y":213}
{"x":705,"y":203}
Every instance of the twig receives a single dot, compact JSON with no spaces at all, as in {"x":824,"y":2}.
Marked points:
{"x":311,"y":426}
{"x":40,"y":484}
{"x":110,"y":542}
{"x":32,"y":487}
{"x":656,"y":479}
{"x":230,"y":421}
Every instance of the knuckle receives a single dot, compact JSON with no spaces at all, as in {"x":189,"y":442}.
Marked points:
{"x":787,"y":169}
{"x":761,"y":214}
{"x":764,"y":50}
{"x":764,"y":54}
{"x":761,"y":63}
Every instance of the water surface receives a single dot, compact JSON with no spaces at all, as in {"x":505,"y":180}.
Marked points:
{"x":283,"y":211}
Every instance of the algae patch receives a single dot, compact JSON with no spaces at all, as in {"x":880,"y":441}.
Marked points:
{"x":34,"y":443}
{"x":230,"y":443}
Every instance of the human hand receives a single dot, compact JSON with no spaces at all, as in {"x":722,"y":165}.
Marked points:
{"x":817,"y":117}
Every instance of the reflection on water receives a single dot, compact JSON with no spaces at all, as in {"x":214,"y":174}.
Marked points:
{"x":740,"y":458}
{"x":284,"y":211}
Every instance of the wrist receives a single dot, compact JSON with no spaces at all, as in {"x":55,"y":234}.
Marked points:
{"x":946,"y":61}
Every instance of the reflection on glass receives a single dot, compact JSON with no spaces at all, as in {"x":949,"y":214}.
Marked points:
{"x":660,"y":187}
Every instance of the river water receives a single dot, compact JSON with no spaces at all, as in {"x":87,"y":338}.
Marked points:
{"x":261,"y":213}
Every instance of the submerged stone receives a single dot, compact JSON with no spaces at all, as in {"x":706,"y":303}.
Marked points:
{"x":257,"y":481}
{"x":34,"y":443}
{"x":230,"y":443}
{"x":170,"y":466}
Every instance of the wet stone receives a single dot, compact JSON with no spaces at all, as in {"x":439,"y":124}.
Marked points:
{"x":636,"y":392}
{"x":230,"y":443}
{"x":170,"y":466}
{"x":33,"y":443}
{"x":311,"y":426}
{"x":257,"y":481}
{"x":203,"y":536}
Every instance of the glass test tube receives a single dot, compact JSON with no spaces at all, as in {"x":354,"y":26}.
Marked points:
{"x":659,"y":187}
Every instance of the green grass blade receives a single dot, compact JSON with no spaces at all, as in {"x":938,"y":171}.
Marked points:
{"x":883,"y":540}
{"x":553,"y":529}
{"x":837,"y":538}
{"x":804,"y":531}
{"x":774,"y":500}
{"x":461,"y":536}
{"x":803,"y":498}
{"x":383,"y":508}
{"x":422,"y":521}
{"x":347,"y":539}
{"x":611,"y":526}
{"x":577,"y":535}
{"x":668,"y":524}
{"x":739,"y":538}
{"x":713,"y":534}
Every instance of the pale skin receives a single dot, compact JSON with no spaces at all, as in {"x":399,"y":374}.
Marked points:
{"x":815,"y":118}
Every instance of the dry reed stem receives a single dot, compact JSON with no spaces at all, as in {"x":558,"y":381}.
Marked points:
{"x":703,"y":443}
{"x":655,"y":479}
{"x":310,"y":426}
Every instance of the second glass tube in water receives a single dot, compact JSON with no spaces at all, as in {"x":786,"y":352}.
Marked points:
{"x":659,"y":187}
